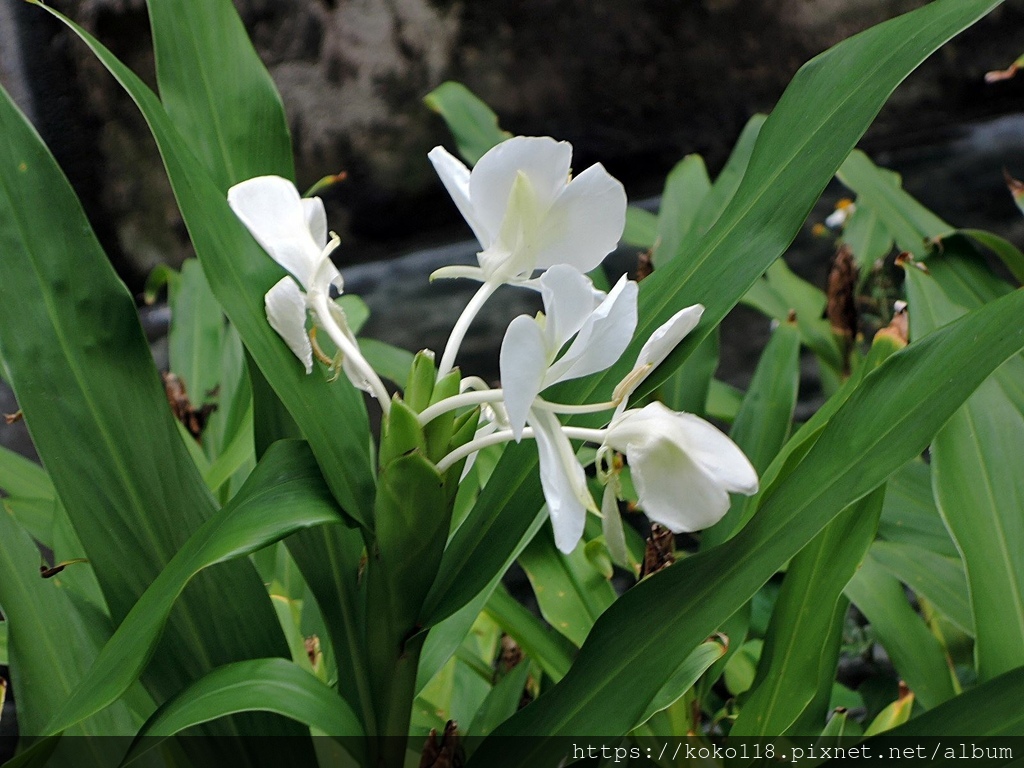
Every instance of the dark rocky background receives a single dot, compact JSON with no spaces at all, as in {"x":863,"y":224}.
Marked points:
{"x":636,"y":85}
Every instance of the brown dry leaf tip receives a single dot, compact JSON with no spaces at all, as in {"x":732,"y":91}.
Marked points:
{"x":446,"y":753}
{"x":13,"y":418}
{"x":906,"y":259}
{"x":659,"y":553}
{"x":903,"y":691}
{"x":936,"y":243}
{"x":48,"y":572}
{"x":841,"y":309}
{"x":644,"y":265}
{"x":998,"y":75}
{"x":525,"y":698}
{"x":899,"y":327}
{"x":791,"y":316}
{"x":312,"y":645}
{"x":193,"y":418}
{"x":1015,"y":186}
{"x":511,"y":655}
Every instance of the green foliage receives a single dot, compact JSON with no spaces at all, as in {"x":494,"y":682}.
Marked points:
{"x":386,"y":615}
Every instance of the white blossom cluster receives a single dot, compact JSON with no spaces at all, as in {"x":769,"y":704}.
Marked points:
{"x":540,"y":228}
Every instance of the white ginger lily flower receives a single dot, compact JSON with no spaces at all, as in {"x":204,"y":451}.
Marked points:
{"x":526,"y":212}
{"x":293,"y":231}
{"x":683,"y":468}
{"x":602,"y":324}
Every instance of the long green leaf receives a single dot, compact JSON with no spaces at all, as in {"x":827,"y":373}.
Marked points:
{"x":780,"y":292}
{"x":502,"y":702}
{"x":938,"y":578}
{"x":220,"y":97}
{"x":267,"y":685}
{"x":978,"y":486}
{"x":797,"y":151}
{"x":917,"y":655}
{"x":473,"y":123}
{"x":716,"y":201}
{"x":686,"y":188}
{"x":991,"y":709}
{"x":870,"y":436}
{"x":570,"y":591}
{"x":84,"y":377}
{"x":912,"y":225}
{"x":332,"y":415}
{"x":552,"y":651}
{"x":217,"y":92}
{"x":285,"y":493}
{"x":206,"y":354}
{"x":790,"y":668}
{"x":329,"y":559}
{"x":1008,"y":253}
{"x":868,"y":238}
{"x":683,"y":678}
{"x":762,"y":424}
{"x":51,"y":641}
{"x":30,"y":496}
{"x":910,"y":516}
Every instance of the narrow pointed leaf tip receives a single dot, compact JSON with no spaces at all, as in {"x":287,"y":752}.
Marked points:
{"x":528,"y":213}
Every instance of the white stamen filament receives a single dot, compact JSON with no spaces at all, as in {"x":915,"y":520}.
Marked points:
{"x":478,"y":397}
{"x":350,"y":351}
{"x":451,"y":349}
{"x":427,"y":415}
{"x":574,"y":409}
{"x":505,"y":435}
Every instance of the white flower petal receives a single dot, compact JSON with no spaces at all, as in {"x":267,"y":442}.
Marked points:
{"x":682,"y":466}
{"x":563,"y":480}
{"x":352,"y":368}
{"x":673,"y":490}
{"x":522,"y":363}
{"x":272,"y":211}
{"x":455,"y":177}
{"x":569,"y":299}
{"x":542,"y":160}
{"x":286,"y":311}
{"x":585,"y":223}
{"x":603,"y":337}
{"x":667,"y":336}
{"x":325,"y":275}
{"x":316,"y":219}
{"x":716,"y":454}
{"x":658,"y":346}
